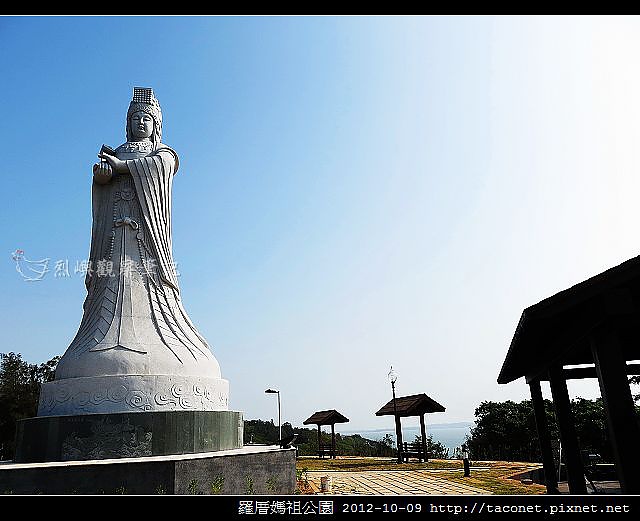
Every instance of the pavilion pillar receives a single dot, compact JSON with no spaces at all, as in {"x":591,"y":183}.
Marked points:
{"x":423,"y":432}
{"x":320,"y":453}
{"x":622,"y":420}
{"x":399,"y":437}
{"x":568,"y":436}
{"x":333,"y":441}
{"x":543,"y":437}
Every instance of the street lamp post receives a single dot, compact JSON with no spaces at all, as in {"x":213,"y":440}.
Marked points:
{"x":273,"y":391}
{"x":393,"y":377}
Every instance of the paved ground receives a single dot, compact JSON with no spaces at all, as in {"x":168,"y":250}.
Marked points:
{"x":390,"y":482}
{"x":602,"y":487}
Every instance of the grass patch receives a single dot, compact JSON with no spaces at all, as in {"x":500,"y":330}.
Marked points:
{"x":355,"y":464}
{"x":496,"y":479}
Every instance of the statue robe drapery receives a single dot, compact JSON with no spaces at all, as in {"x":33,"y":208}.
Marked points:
{"x":134,"y":321}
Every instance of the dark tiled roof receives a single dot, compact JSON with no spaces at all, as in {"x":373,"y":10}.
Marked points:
{"x":326,"y":418}
{"x":557,"y":329}
{"x":414,"y":405}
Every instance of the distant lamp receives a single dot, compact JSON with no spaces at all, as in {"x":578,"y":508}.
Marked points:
{"x":393,"y":378}
{"x":274,"y":391}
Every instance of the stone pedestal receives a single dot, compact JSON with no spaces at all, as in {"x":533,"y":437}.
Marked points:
{"x":249,"y":470}
{"x":122,"y":435}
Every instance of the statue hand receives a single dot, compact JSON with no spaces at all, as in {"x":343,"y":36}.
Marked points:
{"x":102,"y":173}
{"x":116,"y":164}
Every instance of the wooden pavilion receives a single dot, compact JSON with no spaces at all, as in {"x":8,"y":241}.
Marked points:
{"x":406,"y":406}
{"x":591,"y":330}
{"x":320,"y":418}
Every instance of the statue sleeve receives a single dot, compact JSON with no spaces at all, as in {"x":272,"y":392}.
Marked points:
{"x":169,"y":155}
{"x":153,"y":176}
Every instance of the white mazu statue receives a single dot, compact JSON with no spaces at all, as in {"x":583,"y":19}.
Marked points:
{"x":136,"y":348}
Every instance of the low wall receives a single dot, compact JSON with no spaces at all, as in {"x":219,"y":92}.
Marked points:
{"x":249,"y":470}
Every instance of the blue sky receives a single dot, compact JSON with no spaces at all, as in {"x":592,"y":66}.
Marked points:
{"x":353,"y":192}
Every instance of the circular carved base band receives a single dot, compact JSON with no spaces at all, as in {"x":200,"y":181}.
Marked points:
{"x":137,"y":393}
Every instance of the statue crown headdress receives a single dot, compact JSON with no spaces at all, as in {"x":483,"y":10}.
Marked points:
{"x":145,"y":101}
{"x":143,"y":95}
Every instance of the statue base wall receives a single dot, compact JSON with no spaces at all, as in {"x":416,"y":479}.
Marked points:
{"x":132,"y":393}
{"x":126,"y":435}
{"x":249,"y":470}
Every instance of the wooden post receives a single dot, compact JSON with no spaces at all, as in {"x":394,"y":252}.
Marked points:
{"x":543,"y":437}
{"x":333,"y":441}
{"x":618,"y":403}
{"x":423,"y":432}
{"x":320,"y":453}
{"x":399,"y":438}
{"x":568,"y":436}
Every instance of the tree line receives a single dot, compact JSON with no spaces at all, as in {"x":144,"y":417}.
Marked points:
{"x":265,"y":432}
{"x":507,"y":430}
{"x":19,"y":393}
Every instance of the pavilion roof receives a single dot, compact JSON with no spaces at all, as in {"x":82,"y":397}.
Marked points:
{"x":326,"y":418}
{"x":414,"y":405}
{"x":557,"y":330}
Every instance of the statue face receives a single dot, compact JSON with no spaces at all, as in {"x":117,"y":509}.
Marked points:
{"x":141,"y":125}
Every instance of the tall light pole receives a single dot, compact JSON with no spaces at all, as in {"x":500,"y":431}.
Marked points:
{"x":273,"y":391}
{"x":393,"y":377}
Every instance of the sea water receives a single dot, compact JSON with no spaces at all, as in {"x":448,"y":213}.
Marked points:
{"x":451,"y":436}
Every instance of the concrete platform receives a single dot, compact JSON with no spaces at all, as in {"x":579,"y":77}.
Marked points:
{"x":255,"y":469}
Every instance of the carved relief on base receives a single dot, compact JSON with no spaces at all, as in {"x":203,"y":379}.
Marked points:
{"x":110,"y":394}
{"x":108,"y":440}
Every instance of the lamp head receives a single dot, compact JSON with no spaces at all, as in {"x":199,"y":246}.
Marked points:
{"x":393,"y":377}
{"x":271,"y":391}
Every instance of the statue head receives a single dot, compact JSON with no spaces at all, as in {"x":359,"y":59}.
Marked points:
{"x":141,"y":125}
{"x":143,"y":106}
